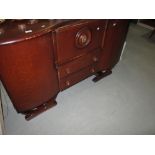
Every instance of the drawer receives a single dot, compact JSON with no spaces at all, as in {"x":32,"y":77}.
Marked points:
{"x":77,"y":77}
{"x":79,"y":38}
{"x":79,"y":63}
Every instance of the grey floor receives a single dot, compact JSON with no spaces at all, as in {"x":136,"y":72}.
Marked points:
{"x":122,"y":103}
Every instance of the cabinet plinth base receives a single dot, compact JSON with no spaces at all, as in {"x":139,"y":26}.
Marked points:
{"x":101,"y":75}
{"x":38,"y":110}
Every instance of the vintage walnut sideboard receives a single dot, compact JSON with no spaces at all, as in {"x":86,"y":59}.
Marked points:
{"x":40,"y":58}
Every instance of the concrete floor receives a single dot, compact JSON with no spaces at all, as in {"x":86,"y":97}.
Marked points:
{"x":122,"y":103}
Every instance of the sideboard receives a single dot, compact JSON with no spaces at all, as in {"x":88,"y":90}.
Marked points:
{"x":40,"y":58}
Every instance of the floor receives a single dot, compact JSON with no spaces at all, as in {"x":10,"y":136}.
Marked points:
{"x":122,"y":103}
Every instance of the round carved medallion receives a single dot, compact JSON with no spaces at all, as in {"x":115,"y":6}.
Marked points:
{"x":83,"y":38}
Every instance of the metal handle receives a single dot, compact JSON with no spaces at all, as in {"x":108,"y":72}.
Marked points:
{"x":1,"y":31}
{"x":67,"y":70}
{"x":95,"y":59}
{"x":93,"y":70}
{"x":83,"y":39}
{"x":114,"y":24}
{"x":67,"y":83}
{"x":98,"y":28}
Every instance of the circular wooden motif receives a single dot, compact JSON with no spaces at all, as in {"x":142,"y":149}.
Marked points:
{"x":83,"y":38}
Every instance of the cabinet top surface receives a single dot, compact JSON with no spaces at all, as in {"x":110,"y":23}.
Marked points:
{"x":12,"y":31}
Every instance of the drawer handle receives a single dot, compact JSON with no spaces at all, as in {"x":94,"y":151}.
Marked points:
{"x":95,"y":59}
{"x":67,"y":83}
{"x":1,"y":31}
{"x":28,"y":31}
{"x":98,"y":28}
{"x":67,"y":70}
{"x":114,"y":24}
{"x":83,"y":38}
{"x":92,"y":70}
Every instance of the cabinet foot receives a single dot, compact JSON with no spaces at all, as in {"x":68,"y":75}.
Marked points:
{"x":38,"y":110}
{"x":101,"y":75}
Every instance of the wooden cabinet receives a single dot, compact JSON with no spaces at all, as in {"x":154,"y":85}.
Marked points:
{"x":39,"y":59}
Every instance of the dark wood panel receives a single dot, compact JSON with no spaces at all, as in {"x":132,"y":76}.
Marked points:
{"x":28,"y":72}
{"x":114,"y":40}
{"x":66,"y":48}
{"x":88,"y":59}
{"x":77,"y":77}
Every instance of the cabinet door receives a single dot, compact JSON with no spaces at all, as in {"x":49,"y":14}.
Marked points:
{"x":114,"y":41}
{"x":28,"y":73}
{"x":78,"y":39}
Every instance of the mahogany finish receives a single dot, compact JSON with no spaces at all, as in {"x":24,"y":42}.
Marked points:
{"x":39,"y":58}
{"x":28,"y":72}
{"x":114,"y":40}
{"x":79,"y":63}
{"x":77,"y":77}
{"x":66,"y":39}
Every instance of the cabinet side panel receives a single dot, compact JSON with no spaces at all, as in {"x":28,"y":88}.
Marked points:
{"x":114,"y":39}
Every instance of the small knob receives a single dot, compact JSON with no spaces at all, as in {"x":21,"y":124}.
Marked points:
{"x":95,"y":59}
{"x":114,"y":24}
{"x":67,"y":83}
{"x":98,"y":28}
{"x":67,"y":70}
{"x":44,"y":106}
{"x":83,"y":39}
{"x":92,"y":70}
{"x":1,"y":31}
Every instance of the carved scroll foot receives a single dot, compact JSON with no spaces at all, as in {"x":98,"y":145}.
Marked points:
{"x":38,"y":110}
{"x":101,"y":75}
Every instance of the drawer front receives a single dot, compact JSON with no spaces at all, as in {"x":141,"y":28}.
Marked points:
{"x":77,"y":77}
{"x":78,"y":64}
{"x":79,"y":38}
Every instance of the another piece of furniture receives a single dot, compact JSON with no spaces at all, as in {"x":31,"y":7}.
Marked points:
{"x":40,"y":58}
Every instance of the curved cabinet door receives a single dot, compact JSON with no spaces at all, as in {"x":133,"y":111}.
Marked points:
{"x":114,"y":41}
{"x":28,"y":73}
